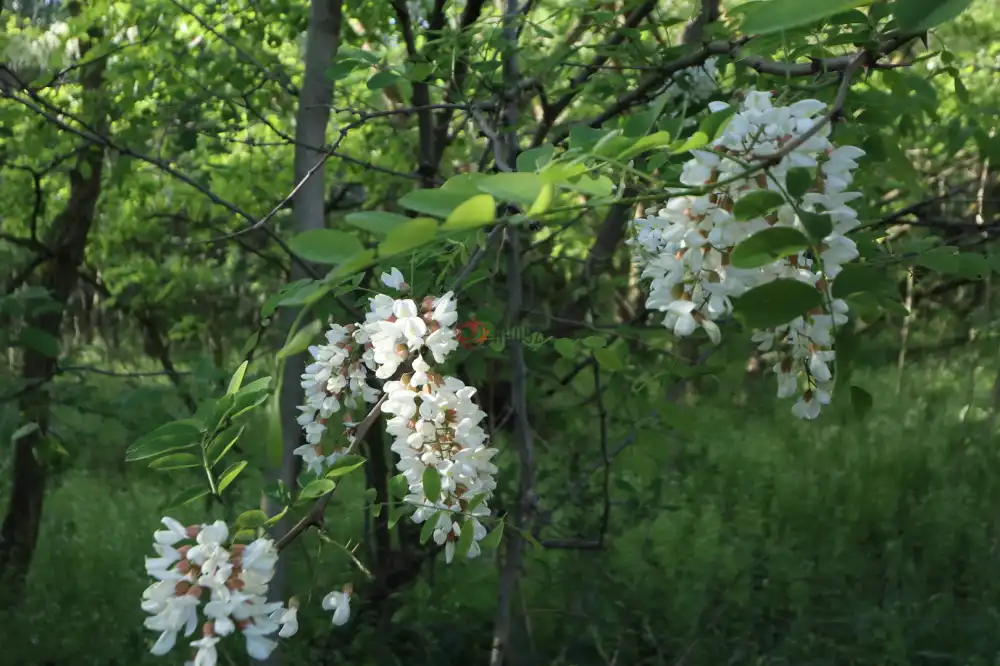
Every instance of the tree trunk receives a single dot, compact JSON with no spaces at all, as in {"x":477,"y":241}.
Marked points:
{"x":315,"y":97}
{"x":65,"y":243}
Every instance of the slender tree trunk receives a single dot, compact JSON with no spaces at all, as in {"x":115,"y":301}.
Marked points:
{"x":525,"y":509}
{"x":904,"y":334}
{"x":315,"y":97}
{"x":65,"y":242}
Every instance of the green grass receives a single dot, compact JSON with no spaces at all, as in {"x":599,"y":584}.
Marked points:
{"x":739,"y":537}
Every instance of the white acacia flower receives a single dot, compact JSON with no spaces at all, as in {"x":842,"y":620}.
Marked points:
{"x":236,"y":580}
{"x":394,"y":280}
{"x":684,"y":248}
{"x":175,"y":532}
{"x":288,"y":619}
{"x":340,"y":604}
{"x":207,"y":654}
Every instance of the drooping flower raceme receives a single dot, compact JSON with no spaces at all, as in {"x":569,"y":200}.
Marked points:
{"x":697,"y":83}
{"x":192,"y":561}
{"x":435,"y":424}
{"x":684,"y":248}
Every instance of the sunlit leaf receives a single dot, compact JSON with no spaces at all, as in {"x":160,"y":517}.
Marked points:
{"x":476,"y":212}
{"x":325,"y":246}
{"x":418,"y":231}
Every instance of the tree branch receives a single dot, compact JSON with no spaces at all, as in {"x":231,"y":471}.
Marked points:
{"x":315,"y":516}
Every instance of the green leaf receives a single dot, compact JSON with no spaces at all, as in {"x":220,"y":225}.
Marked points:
{"x":858,"y":278}
{"x":973,"y":265}
{"x":764,"y":18}
{"x":696,"y":140}
{"x":418,"y":231}
{"x":432,"y":484}
{"x":798,"y":181}
{"x":244,"y":402}
{"x":376,"y":221}
{"x":594,"y":186}
{"x":818,"y":225}
{"x":370,"y":57}
{"x":399,"y":486}
{"x":356,"y":263}
{"x":23,"y":431}
{"x":188,"y":140}
{"x":861,"y":400}
{"x":427,"y":531}
{"x":757,"y":204}
{"x":475,"y":502}
{"x":168,"y":437}
{"x":383,"y":79}
{"x":464,"y":540}
{"x":465,"y":183}
{"x":40,"y":341}
{"x":251,"y":519}
{"x":767,"y":246}
{"x":846,"y":344}
{"x":522,"y":188}
{"x":608,"y":359}
{"x":492,"y":540}
{"x":250,"y":344}
{"x":317,"y":488}
{"x":777,"y":303}
{"x":438,"y":202}
{"x":544,"y":200}
{"x":274,"y":300}
{"x":961,"y":92}
{"x":655,"y":140}
{"x":325,"y":246}
{"x":534,"y":159}
{"x":345,"y":465}
{"x":640,"y":124}
{"x":237,"y":379}
{"x":395,"y":513}
{"x":244,"y":536}
{"x":940,"y":260}
{"x":476,"y":212}
{"x":340,"y":70}
{"x":301,"y":340}
{"x":224,"y":441}
{"x":567,"y":348}
{"x":276,"y":517}
{"x":176,"y":461}
{"x":594,"y":341}
{"x":583,"y":138}
{"x":715,"y":123}
{"x":230,"y":474}
{"x":187,"y":496}
{"x":920,"y":15}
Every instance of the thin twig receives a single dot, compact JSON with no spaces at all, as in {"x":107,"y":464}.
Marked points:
{"x":315,"y":515}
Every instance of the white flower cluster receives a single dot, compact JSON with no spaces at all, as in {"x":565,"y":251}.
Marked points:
{"x":685,"y":247}
{"x":236,"y":579}
{"x":435,"y":423}
{"x":697,"y":83}
{"x":25,"y":51}
{"x":441,"y":433}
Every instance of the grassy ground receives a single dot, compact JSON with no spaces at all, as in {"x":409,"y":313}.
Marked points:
{"x":740,"y":538}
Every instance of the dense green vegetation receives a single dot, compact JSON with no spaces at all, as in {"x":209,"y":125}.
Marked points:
{"x":163,"y":220}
